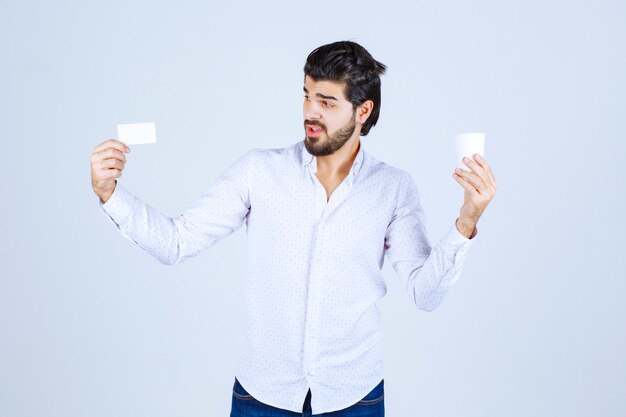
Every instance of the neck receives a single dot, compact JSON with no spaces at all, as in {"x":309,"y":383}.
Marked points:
{"x":340,"y":162}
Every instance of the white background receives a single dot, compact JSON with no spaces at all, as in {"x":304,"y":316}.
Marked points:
{"x":90,"y":325}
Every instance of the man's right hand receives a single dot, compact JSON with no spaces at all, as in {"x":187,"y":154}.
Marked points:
{"x":107,"y":164}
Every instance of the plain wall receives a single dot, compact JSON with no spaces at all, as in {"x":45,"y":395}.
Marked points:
{"x":90,"y":324}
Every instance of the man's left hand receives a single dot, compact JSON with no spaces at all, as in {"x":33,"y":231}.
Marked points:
{"x":480,"y":187}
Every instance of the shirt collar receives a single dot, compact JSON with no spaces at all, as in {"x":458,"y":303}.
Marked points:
{"x":311,"y":161}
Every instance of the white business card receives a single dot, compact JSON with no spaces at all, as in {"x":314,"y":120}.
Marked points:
{"x":136,"y":133}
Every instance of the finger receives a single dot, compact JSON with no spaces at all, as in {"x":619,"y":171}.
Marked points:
{"x":485,"y":166}
{"x":111,"y":143}
{"x":466,"y":185}
{"x":107,"y":163}
{"x":481,"y":168}
{"x":112,"y":163}
{"x":476,"y":168}
{"x":472,"y":178}
{"x":109,"y":153}
{"x":112,"y":173}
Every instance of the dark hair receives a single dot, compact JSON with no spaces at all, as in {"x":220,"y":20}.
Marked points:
{"x":349,"y":62}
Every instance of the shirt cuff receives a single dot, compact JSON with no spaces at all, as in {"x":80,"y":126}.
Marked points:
{"x":120,"y":205}
{"x":458,"y":243}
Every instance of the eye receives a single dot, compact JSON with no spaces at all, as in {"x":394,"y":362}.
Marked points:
{"x":306,"y":97}
{"x":326,"y":104}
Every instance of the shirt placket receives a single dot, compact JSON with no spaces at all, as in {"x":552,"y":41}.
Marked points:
{"x":317,"y":270}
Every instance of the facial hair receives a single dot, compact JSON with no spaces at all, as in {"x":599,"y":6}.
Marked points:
{"x":318,"y":147}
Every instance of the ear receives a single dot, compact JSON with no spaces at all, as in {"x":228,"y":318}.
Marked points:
{"x":363,"y":111}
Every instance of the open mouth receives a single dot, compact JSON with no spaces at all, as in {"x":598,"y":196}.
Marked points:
{"x":312,"y":130}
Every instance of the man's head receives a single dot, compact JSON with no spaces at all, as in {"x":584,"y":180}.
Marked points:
{"x":342,"y":95}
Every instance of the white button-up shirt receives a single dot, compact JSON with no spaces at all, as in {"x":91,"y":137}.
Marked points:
{"x":314,"y":272}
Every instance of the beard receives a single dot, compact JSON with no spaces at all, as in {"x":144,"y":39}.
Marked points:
{"x":319,"y":147}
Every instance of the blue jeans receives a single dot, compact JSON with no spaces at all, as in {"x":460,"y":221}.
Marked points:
{"x":245,"y":405}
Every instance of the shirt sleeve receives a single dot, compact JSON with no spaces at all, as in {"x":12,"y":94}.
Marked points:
{"x":427,"y":272}
{"x":217,"y":213}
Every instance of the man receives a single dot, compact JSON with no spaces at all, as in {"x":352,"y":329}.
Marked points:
{"x":321,"y":215}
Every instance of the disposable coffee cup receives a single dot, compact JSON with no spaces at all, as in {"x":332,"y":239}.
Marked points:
{"x":467,"y":145}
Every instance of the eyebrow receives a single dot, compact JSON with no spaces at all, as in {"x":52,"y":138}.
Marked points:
{"x":321,"y":95}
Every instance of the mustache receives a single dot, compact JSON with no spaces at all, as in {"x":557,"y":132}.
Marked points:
{"x":314,"y":123}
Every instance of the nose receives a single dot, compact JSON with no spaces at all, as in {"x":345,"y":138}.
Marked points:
{"x":311,"y":110}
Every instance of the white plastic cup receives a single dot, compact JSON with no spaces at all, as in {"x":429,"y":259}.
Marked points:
{"x":469,"y":144}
